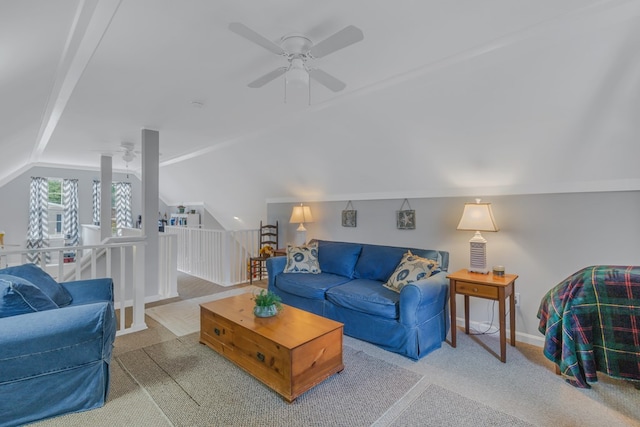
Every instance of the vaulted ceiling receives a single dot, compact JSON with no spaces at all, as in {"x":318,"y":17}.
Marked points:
{"x":442,"y":98}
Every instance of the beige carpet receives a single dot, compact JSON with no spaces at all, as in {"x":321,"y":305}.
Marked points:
{"x":437,"y":406}
{"x":195,"y":386}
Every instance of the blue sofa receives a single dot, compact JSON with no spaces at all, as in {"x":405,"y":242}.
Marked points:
{"x":56,"y":342}
{"x":350,"y":290}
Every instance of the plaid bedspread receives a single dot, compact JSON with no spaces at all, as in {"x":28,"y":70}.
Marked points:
{"x":591,"y":322}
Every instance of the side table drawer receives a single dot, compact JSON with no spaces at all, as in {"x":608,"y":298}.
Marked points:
{"x":476,"y":290}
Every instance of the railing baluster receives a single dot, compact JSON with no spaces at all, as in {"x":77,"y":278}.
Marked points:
{"x":94,"y":262}
{"x":123,"y":281}
{"x":60,"y":265}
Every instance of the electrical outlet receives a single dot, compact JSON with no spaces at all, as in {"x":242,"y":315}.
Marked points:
{"x":517,"y":299}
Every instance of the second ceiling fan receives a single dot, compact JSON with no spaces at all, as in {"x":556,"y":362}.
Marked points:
{"x":298,"y":49}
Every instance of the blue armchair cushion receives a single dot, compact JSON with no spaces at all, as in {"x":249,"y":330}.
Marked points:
{"x":302,"y":259}
{"x":338,"y":258}
{"x":17,"y":296}
{"x":410,"y":269}
{"x":38,"y":277}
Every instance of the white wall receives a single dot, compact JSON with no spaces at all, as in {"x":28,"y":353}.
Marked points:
{"x":542,"y":238}
{"x":14,"y":196}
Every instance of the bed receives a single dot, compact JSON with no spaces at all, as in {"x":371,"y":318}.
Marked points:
{"x":591,"y":323}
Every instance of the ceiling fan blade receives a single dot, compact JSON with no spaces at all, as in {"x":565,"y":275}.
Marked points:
{"x":343,"y":38}
{"x":327,"y":80}
{"x":249,"y":34}
{"x":272,"y":75}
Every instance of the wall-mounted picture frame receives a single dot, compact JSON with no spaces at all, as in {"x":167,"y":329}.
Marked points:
{"x":405,"y":218}
{"x":349,"y":216}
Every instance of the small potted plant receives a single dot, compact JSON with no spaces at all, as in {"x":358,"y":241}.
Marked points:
{"x":267,"y":304}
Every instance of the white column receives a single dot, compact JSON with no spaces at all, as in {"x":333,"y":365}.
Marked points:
{"x":106,"y":177}
{"x":150,"y":198}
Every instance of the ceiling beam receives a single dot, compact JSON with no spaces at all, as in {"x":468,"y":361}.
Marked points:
{"x":90,"y":23}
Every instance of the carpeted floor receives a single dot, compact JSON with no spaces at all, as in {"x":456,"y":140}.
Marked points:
{"x":195,"y":386}
{"x":437,"y":406}
{"x":159,"y":379}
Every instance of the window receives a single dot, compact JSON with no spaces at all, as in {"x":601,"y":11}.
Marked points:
{"x":55,"y":209}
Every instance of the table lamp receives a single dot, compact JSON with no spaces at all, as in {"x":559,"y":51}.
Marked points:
{"x":301,"y":214}
{"x":478,"y":217}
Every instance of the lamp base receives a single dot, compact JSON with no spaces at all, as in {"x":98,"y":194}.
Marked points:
{"x":478,"y":252}
{"x":301,"y":238}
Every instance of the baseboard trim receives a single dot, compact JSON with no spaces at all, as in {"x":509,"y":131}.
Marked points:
{"x":492,"y":329}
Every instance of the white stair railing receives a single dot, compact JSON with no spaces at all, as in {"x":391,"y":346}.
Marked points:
{"x":218,"y":256}
{"x":122,"y":261}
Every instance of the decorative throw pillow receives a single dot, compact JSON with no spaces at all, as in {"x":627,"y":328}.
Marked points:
{"x":302,"y":259}
{"x":20,"y":297}
{"x":411,"y":269}
{"x":41,"y":279}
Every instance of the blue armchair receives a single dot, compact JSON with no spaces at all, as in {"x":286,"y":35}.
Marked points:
{"x":56,"y":342}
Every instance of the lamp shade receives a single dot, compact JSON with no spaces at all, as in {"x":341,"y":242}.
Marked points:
{"x":301,"y":214}
{"x":477,"y":217}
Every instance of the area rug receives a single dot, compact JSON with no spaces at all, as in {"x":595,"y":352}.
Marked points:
{"x":183,"y":317}
{"x":195,"y":386}
{"x":437,"y":406}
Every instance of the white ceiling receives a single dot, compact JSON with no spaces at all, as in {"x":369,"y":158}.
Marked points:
{"x":443,"y":98}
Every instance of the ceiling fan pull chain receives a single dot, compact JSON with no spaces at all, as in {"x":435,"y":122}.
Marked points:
{"x":285,"y":90}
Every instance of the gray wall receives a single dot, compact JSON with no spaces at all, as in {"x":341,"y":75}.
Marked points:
{"x":14,"y":215}
{"x":542,"y":238}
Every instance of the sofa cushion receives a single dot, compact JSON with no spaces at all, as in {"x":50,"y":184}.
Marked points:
{"x":38,"y":277}
{"x":338,"y":258}
{"x":366,"y":296}
{"x":311,"y":286}
{"x":410,"y":269}
{"x":17,"y":297}
{"x":302,"y":259}
{"x":378,"y":262}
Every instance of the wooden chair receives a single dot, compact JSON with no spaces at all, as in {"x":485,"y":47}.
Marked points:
{"x":268,"y":236}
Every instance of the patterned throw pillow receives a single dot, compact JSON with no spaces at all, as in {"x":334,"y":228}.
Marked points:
{"x":411,"y":269}
{"x":302,"y":259}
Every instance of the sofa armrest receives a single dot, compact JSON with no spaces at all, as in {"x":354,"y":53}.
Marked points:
{"x":275,"y":266}
{"x":90,"y":290}
{"x":43,"y":342}
{"x":423,"y":299}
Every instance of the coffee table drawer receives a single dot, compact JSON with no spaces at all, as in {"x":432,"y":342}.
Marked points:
{"x":216,"y":331}
{"x":476,"y":290}
{"x":263,"y":358}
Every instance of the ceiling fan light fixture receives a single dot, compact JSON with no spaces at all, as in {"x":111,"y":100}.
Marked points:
{"x":128,"y":156}
{"x":297,"y":74}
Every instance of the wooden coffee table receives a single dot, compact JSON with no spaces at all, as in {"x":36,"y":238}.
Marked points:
{"x":290,"y":352}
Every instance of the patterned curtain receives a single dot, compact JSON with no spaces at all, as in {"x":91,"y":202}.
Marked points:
{"x":70,"y":203}
{"x":38,"y":232}
{"x":96,"y":202}
{"x":124,"y":217}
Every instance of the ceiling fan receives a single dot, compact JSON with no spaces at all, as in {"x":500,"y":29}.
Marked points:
{"x":128,"y":153}
{"x":298,"y":49}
